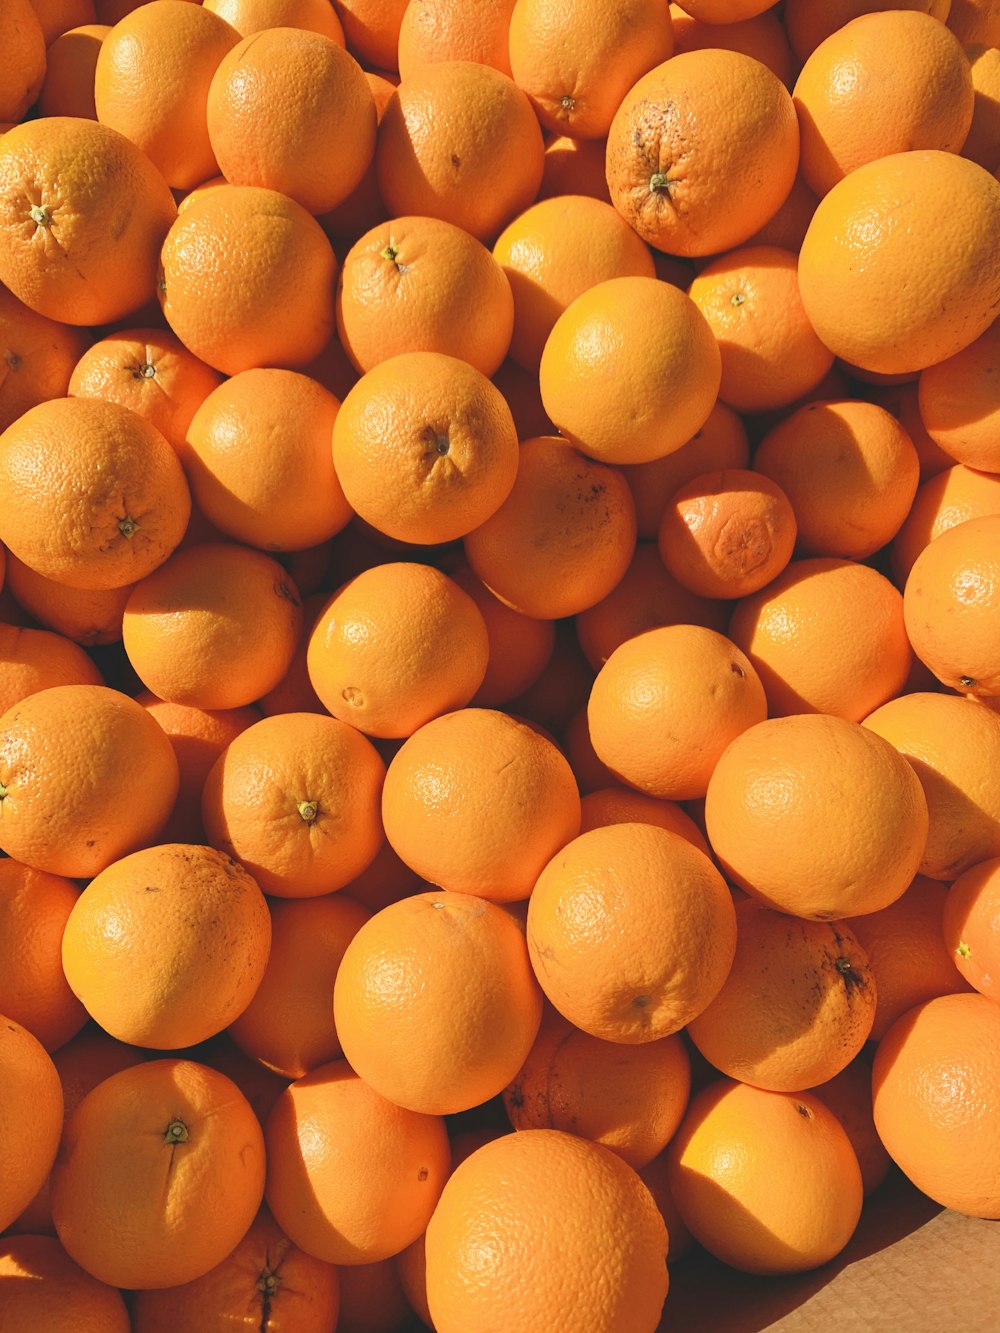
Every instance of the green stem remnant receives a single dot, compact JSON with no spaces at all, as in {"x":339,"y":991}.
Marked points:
{"x":308,"y":810}
{"x":176,"y":1132}
{"x":41,"y":215}
{"x":963,"y":950}
{"x":390,"y":252}
{"x":128,"y":527}
{"x":659,"y":183}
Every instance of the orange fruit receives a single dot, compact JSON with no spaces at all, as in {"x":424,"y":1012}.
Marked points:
{"x":288,"y":1025}
{"x":617,"y":804}
{"x":419,"y":284}
{"x":666,"y":704}
{"x":435,"y":1002}
{"x":249,"y":16}
{"x":796,"y":1007}
{"x":574,"y":166}
{"x":70,"y":65}
{"x":767,"y":1181}
{"x":149,"y":371}
{"x":767,"y":814}
{"x":960,"y":405}
{"x":371,"y":28}
{"x":825,"y":636}
{"x":363,"y":208}
{"x":433,"y":30}
{"x":228,"y":264}
{"x":771,"y":355}
{"x":762,"y":36}
{"x":35,"y":659}
{"x":850,"y":471}
{"x":152,"y":80}
{"x":85,"y":615}
{"x":943,"y":501}
{"x":553,"y":252}
{"x":397,"y":646}
{"x":971,"y":926}
{"x":860,"y":246}
{"x":87,"y":775}
{"x":631,"y":932}
{"x":907,"y":953}
{"x":974,"y":21}
{"x":24,"y":44}
{"x":294,"y":692}
{"x":591,"y":775}
{"x":562,"y":688}
{"x":277,"y":100}
{"x":58,"y":16}
{"x":727,"y":534}
{"x":568,"y":523}
{"x":45,"y":1290}
{"x":477,"y":802}
{"x":261,"y":1087}
{"x":102,"y":208}
{"x":953,"y":746}
{"x":520,"y":647}
{"x":352,"y":1178}
{"x":725,"y":11}
{"x":630,"y":370}
{"x":425,"y":447}
{"x":31,"y":1118}
{"x":167,"y":977}
{"x":630,"y":1099}
{"x":901,"y":399}
{"x":808,"y":24}
{"x":703,"y":151}
{"x":898,"y":73}
{"x":788,"y":226}
{"x":849,"y":1096}
{"x":372,"y":1299}
{"x":295,"y":799}
{"x":159,"y":1175}
{"x":37,"y":356}
{"x":266,"y":1280}
{"x":949,"y":605}
{"x":459,"y":141}
{"x":935,"y":1088}
{"x":259,"y":460}
{"x":576,"y":62}
{"x":34,"y":909}
{"x":215,"y":626}
{"x":96,"y":496}
{"x":982,"y":143}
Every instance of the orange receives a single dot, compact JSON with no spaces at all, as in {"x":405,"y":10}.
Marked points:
{"x":71,"y":62}
{"x":459,"y":141}
{"x":631,"y":932}
{"x":645,"y":598}
{"x":860,"y":246}
{"x":570,"y":523}
{"x":849,"y":1096}
{"x":725,"y":11}
{"x":807,"y":24}
{"x":477,"y":802}
{"x":37,"y":356}
{"x":433,"y":30}
{"x":577,"y":62}
{"x":982,"y":143}
{"x":371,"y":28}
{"x":702,"y":151}
{"x":87,"y":775}
{"x":143,"y":950}
{"x":720,"y":443}
{"x":796,"y":1007}
{"x":630,"y":370}
{"x":769,"y":822}
{"x":886,"y":82}
{"x":617,"y":804}
{"x":372,"y":1299}
{"x":943,"y":501}
{"x":666,"y":704}
{"x":259,"y":460}
{"x":288,"y":1025}
{"x":850,"y":471}
{"x":971,"y":926}
{"x":419,"y":284}
{"x":727,"y":534}
{"x":767,"y":1181}
{"x":950,"y":606}
{"x":553,"y":252}
{"x":825,"y":636}
{"x":960,"y":404}
{"x":591,"y":775}
{"x":935,"y":1084}
{"x":901,"y":399}
{"x":586,"y":1244}
{"x":215,"y":626}
{"x":295,"y":799}
{"x":58,"y":16}
{"x":294,"y":692}
{"x":788,"y":226}
{"x":363,"y":208}
{"x":974,"y":21}
{"x":771,"y":355}
{"x":396,"y":646}
{"x":150,"y":372}
{"x":953,"y":746}
{"x":34,"y":909}
{"x":574,"y":166}
{"x":159,"y":1175}
{"x":762,"y":36}
{"x":561,"y":689}
{"x":46,"y":1292}
{"x":87,"y":616}
{"x":96,"y":496}
{"x":629,"y":1099}
{"x":152,"y":80}
{"x":102,"y":208}
{"x":34,"y":659}
{"x":23,"y":43}
{"x":249,"y":16}
{"x":520,"y":647}
{"x":907,"y":953}
{"x":31,"y":1118}
{"x":228,"y":264}
{"x":266,"y":1282}
{"x":352,"y":1178}
{"x":276,"y":102}
{"x":435,"y":1002}
{"x":261,"y":1087}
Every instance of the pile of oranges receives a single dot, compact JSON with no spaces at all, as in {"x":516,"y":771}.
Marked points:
{"x":499,"y":651}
